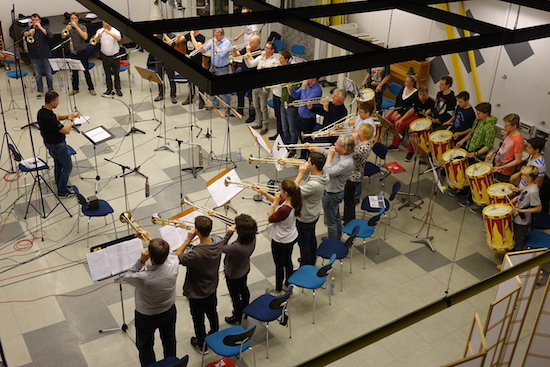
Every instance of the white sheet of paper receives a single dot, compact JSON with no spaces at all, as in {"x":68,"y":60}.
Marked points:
{"x":221,"y":193}
{"x":97,"y":134}
{"x":173,"y":236}
{"x":279,"y":153}
{"x":375,"y":202}
{"x":32,"y":163}
{"x":66,"y":64}
{"x":90,"y":16}
{"x":99,"y":265}
{"x":81,"y":120}
{"x":133,"y":250}
{"x":259,"y":139}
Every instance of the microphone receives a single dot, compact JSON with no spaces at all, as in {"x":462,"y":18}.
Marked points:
{"x":147,"y":188}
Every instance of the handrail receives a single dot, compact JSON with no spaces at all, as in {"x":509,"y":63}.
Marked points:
{"x":420,"y":314}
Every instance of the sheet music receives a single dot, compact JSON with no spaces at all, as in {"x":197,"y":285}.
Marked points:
{"x":99,"y":265}
{"x":279,"y":153}
{"x":221,"y":193}
{"x":133,"y":249}
{"x":66,"y":64}
{"x":32,"y":163}
{"x":173,"y":236}
{"x":120,"y":259}
{"x":98,"y":134}
{"x":375,"y":202}
{"x":260,"y":139}
{"x":81,"y":120}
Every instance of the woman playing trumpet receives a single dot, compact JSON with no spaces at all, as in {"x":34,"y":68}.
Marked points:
{"x":79,"y":34}
{"x":286,"y":206}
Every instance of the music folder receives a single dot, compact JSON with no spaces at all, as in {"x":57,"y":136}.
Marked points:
{"x":113,"y":257}
{"x":98,"y":135}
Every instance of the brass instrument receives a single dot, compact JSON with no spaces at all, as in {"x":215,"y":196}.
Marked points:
{"x":173,"y":39}
{"x":334,"y":128}
{"x":198,"y":49}
{"x":226,"y":220}
{"x":241,"y":57}
{"x":157,"y":219}
{"x":303,"y":102}
{"x":65,"y":31}
{"x":302,"y":146}
{"x":126,"y":217}
{"x":249,"y":185}
{"x":30,"y":38}
{"x":93,"y":40}
{"x":268,"y":87}
{"x":292,"y":162}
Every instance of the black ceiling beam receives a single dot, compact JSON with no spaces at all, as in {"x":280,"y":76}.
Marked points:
{"x":535,"y":4}
{"x":353,"y":7}
{"x":446,"y":17}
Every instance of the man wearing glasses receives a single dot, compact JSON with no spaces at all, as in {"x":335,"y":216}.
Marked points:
{"x":259,"y":97}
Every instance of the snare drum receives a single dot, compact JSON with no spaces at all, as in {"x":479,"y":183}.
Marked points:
{"x":455,"y":168}
{"x":440,"y":142}
{"x":419,"y":133}
{"x":368,"y":95}
{"x":499,"y":227}
{"x":500,"y":193}
{"x":480,"y":178}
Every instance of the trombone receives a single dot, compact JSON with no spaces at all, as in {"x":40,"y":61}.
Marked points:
{"x":335,"y":126}
{"x":240,"y":58}
{"x":302,"y":146}
{"x":268,"y":87}
{"x":126,"y":217}
{"x":303,"y":102}
{"x":249,"y":185}
{"x":157,"y":219}
{"x":226,"y":220}
{"x":273,"y":160}
{"x":173,"y":39}
{"x":198,"y":49}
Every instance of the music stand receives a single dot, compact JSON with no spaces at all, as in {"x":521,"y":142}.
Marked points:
{"x":126,"y":250}
{"x":97,"y":136}
{"x":209,"y":133}
{"x":6,"y":55}
{"x":151,"y":76}
{"x":353,"y":88}
{"x":222,"y":193}
{"x":262,"y":142}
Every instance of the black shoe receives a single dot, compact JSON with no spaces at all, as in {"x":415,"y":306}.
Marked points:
{"x":409,"y":157}
{"x":465,"y":203}
{"x":197,"y":347}
{"x":232,"y":320}
{"x":187,"y":101}
{"x":391,"y":147}
{"x":460,"y":192}
{"x":258,"y":126}
{"x":273,"y":137}
{"x":108,"y":93}
{"x":263,"y":131}
{"x":174,"y":100}
{"x":159,"y":98}
{"x":250,"y":119}
{"x":119,"y":93}
{"x":70,"y":193}
{"x":476,"y":209}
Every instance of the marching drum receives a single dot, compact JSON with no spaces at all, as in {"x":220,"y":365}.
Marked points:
{"x":440,"y":142}
{"x":480,"y":178}
{"x":499,"y":227}
{"x":500,"y":193}
{"x":368,"y":95}
{"x":419,"y":133}
{"x":455,"y":168}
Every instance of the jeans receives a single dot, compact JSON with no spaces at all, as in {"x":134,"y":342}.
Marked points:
{"x":240,"y":102}
{"x":259,"y":98}
{"x":349,"y":201}
{"x":42,"y":68}
{"x":62,"y":165}
{"x":307,"y":241}
{"x":112,"y":68}
{"x":331,"y":208}
{"x":83,"y":57}
{"x":277,"y":110}
{"x":289,"y":122}
{"x":220,"y":71}
{"x":171,"y":79}
{"x":145,"y":334}
{"x":282,"y":256}
{"x":240,"y":294}
{"x":199,"y":308}
{"x":520,"y":234}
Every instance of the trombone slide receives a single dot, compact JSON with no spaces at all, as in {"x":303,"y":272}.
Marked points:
{"x":249,"y":185}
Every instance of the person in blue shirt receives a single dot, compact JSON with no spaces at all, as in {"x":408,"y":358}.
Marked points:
{"x":219,"y":60}
{"x":306,"y":122}
{"x":463,"y":118}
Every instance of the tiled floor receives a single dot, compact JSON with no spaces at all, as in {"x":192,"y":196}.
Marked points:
{"x":51,"y":311}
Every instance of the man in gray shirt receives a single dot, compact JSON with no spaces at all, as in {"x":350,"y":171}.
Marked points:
{"x":312,"y":192}
{"x":155,"y":297}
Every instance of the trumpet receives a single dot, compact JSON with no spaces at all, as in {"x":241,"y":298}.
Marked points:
{"x":93,"y":40}
{"x":173,"y":39}
{"x":302,"y":146}
{"x":65,"y":31}
{"x":198,"y":49}
{"x":292,"y":162}
{"x":338,"y":124}
{"x":241,"y":57}
{"x":303,"y":102}
{"x":275,"y":86}
{"x":126,"y":217}
{"x":226,"y":220}
{"x":157,"y":219}
{"x":30,"y":38}
{"x":249,"y":185}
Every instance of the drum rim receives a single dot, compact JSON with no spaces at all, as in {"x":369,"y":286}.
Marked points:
{"x":501,"y":216}
{"x":450,"y":136}
{"x":482,"y":174}
{"x":450,"y":150}
{"x":507,"y":184}
{"x":411,"y":128}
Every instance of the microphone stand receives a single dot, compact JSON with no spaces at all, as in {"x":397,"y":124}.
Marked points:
{"x":7,"y":140}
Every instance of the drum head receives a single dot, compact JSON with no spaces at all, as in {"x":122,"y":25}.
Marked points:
{"x":500,"y":189}
{"x":497,"y":210}
{"x":420,"y":125}
{"x":454,"y":153}
{"x":478,"y":169}
{"x":441,"y":135}
{"x":368,"y":95}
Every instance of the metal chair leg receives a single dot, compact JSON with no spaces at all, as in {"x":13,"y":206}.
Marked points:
{"x":341,"y":275}
{"x":314,"y":306}
{"x":364,"y":252}
{"x":267,"y":340}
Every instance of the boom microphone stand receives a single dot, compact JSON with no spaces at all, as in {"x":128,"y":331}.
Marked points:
{"x":7,"y":141}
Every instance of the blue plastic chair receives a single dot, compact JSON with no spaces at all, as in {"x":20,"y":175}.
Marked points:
{"x":367,"y":208}
{"x":541,"y":220}
{"x":537,"y":239}
{"x":103,"y":210}
{"x":341,"y":249}
{"x":371,"y":169}
{"x":230,"y":342}
{"x":171,"y":362}
{"x":267,"y":308}
{"x":394,"y":89}
{"x":298,"y":49}
{"x":312,"y":277}
{"x":280,"y":45}
{"x":367,"y":229}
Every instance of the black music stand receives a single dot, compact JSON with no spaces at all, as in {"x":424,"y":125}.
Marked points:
{"x":124,"y":326}
{"x":151,"y":76}
{"x":97,"y":136}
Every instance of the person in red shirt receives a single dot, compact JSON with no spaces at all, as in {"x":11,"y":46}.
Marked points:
{"x":508,"y":155}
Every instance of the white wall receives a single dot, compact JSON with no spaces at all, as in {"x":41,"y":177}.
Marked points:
{"x":524,"y":91}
